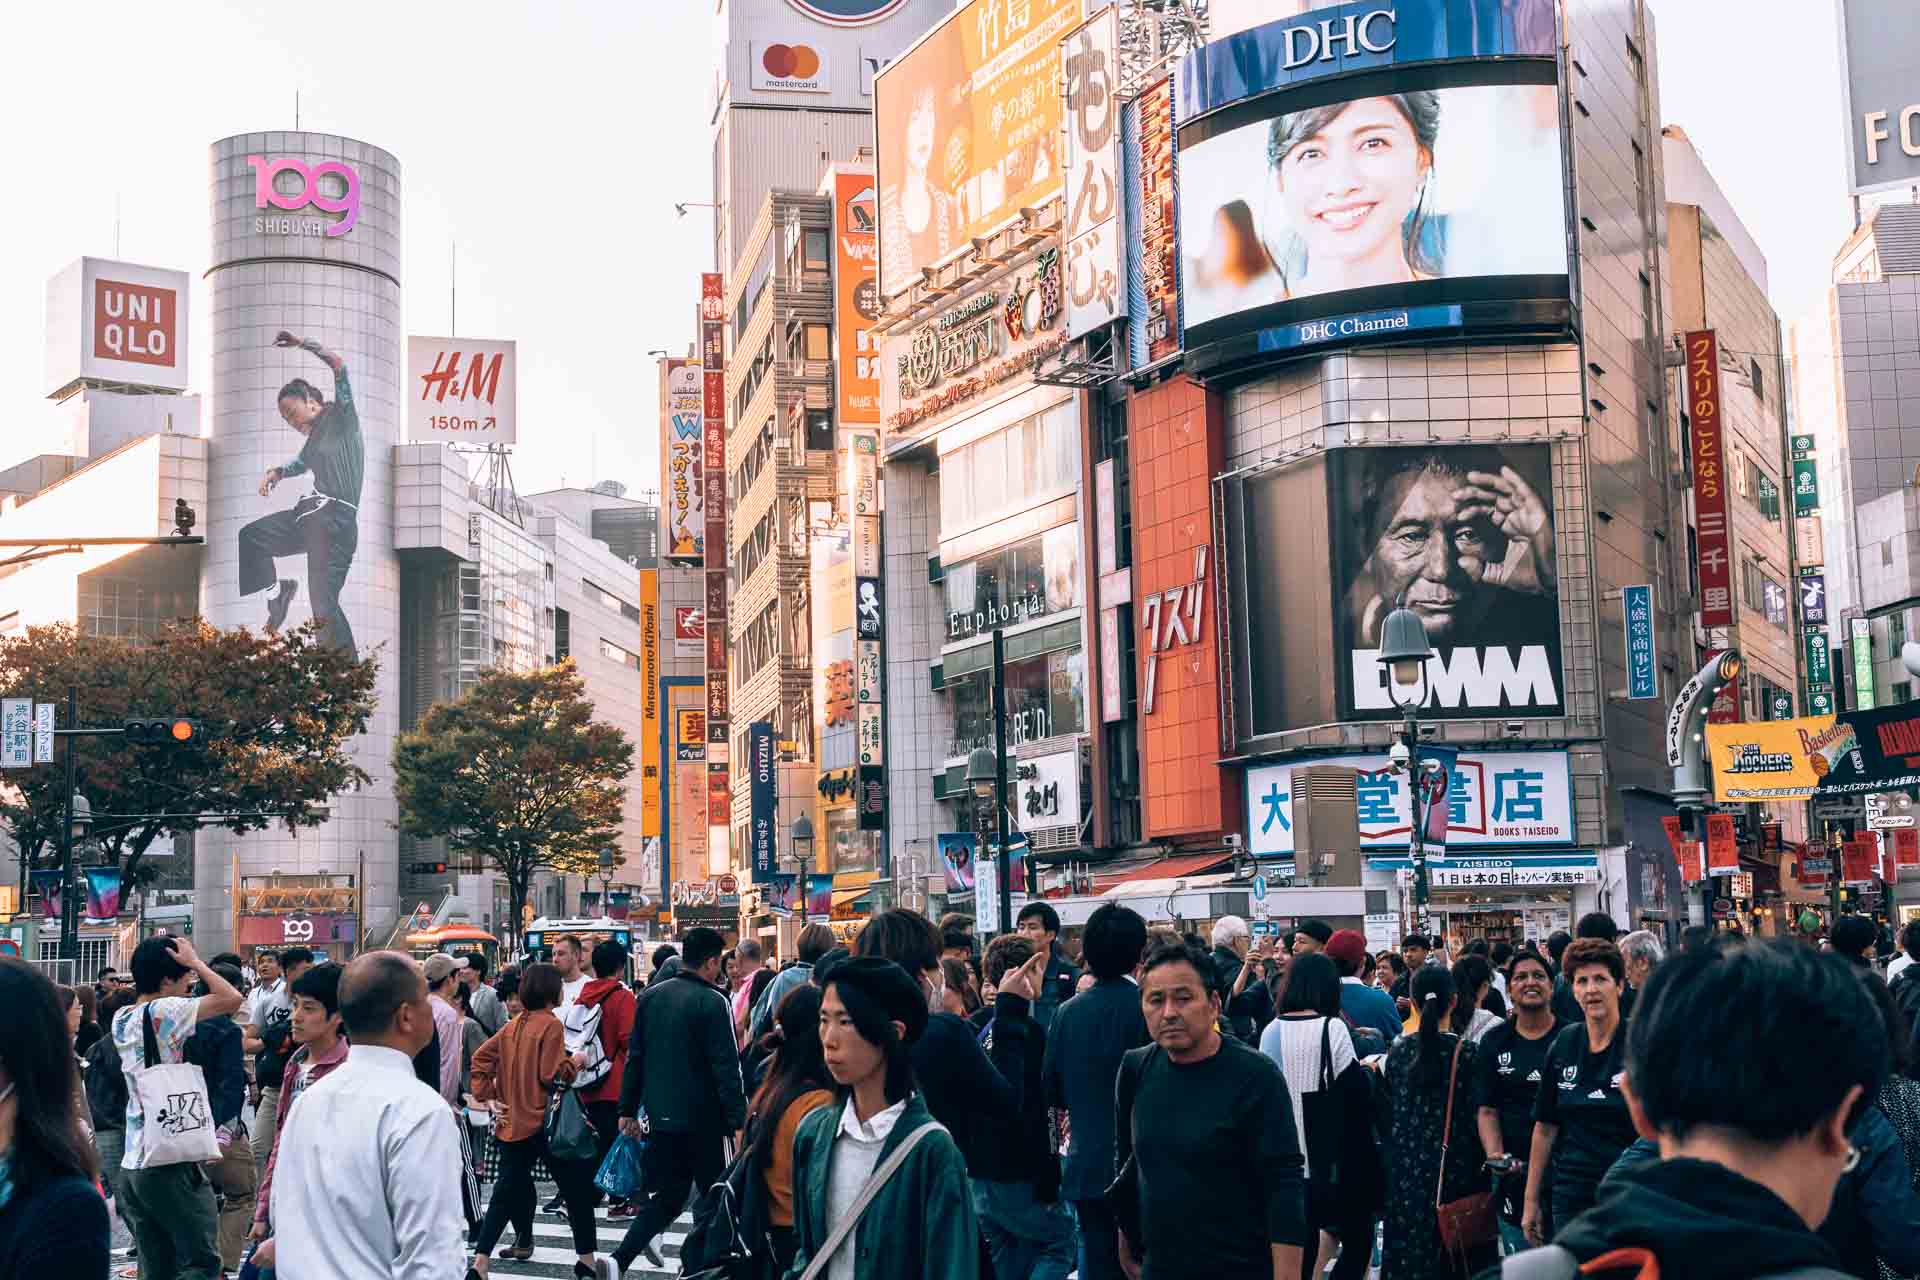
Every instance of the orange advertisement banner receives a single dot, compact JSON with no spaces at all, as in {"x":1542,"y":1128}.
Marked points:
{"x":968,"y":130}
{"x":856,"y":296}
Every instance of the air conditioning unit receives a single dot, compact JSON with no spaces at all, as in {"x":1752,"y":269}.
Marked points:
{"x":1326,"y":825}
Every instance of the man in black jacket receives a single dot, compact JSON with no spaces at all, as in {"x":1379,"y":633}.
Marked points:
{"x":1090,"y":1035}
{"x":1040,"y":924}
{"x":689,"y":1086}
{"x":1249,"y":1005}
{"x":1016,"y":1175}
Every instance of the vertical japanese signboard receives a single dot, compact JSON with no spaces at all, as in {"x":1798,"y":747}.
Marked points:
{"x":1159,"y":263}
{"x":1096,"y":293}
{"x":649,"y":702}
{"x":1643,"y":676}
{"x":682,"y":496}
{"x":1813,"y":596}
{"x":761,"y":797}
{"x":713,"y":461}
{"x":16,"y":733}
{"x":1723,"y":853}
{"x":1805,"y":475}
{"x":856,"y":294}
{"x":869,"y":630}
{"x":1861,"y":634}
{"x":1709,"y":478}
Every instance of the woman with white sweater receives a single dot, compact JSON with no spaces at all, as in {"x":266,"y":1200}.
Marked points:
{"x":1331,"y":1098}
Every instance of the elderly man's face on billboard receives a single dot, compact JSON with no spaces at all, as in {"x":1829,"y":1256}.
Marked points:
{"x":1433,"y":549}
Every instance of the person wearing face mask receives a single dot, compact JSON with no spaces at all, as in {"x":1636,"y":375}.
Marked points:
{"x":965,"y":1085}
{"x":47,"y":1167}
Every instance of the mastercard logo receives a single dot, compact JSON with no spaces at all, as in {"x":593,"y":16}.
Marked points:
{"x":790,"y":61}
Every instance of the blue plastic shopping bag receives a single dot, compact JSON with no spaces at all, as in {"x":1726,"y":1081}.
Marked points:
{"x":619,"y":1174}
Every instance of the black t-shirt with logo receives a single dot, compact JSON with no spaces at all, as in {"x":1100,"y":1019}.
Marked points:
{"x":1510,"y":1068}
{"x":1580,"y":1092}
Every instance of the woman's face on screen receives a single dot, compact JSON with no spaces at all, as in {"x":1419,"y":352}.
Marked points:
{"x":1348,"y":188}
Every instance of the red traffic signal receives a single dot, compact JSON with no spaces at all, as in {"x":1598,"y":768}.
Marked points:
{"x":169,"y":731}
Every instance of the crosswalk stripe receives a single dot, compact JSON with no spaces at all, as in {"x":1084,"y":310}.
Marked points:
{"x":553,"y":1254}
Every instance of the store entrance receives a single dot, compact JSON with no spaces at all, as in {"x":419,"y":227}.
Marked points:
{"x":1465,"y":919}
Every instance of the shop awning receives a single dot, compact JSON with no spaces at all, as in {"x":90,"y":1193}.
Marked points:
{"x":1175,"y":868}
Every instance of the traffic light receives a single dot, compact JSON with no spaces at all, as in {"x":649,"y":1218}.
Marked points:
{"x":183,"y":518}
{"x":168,"y":731}
{"x":429,"y":868}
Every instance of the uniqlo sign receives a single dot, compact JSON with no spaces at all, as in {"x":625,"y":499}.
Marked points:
{"x":134,"y":322}
{"x":1709,"y":455}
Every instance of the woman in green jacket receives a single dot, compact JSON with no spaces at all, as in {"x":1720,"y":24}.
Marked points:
{"x":920,"y":1225}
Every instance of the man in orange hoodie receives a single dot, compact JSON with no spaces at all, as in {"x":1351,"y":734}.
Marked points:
{"x":603,"y":1012}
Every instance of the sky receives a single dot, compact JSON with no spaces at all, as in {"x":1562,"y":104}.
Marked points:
{"x":545,"y":144}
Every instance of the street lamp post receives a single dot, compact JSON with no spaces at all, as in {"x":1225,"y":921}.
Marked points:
{"x":802,"y":862}
{"x":1404,"y":650}
{"x":606,"y":881}
{"x":984,"y":779}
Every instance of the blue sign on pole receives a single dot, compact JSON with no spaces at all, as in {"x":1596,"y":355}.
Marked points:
{"x":1643,"y":673}
{"x":762,"y":793}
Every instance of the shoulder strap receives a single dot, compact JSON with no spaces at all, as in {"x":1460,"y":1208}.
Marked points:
{"x":844,"y":1228}
{"x":1446,"y":1129}
{"x":1550,"y":1262}
{"x":1326,"y":1054}
{"x":150,"y":1043}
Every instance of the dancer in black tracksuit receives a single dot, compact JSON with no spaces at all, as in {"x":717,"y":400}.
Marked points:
{"x":324,"y":525}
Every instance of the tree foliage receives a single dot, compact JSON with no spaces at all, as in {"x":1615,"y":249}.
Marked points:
{"x":518,"y":772}
{"x":278,"y":711}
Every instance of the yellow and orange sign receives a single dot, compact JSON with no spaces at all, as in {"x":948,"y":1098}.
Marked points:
{"x":968,"y":130}
{"x":1775,"y":759}
{"x":856,"y":294}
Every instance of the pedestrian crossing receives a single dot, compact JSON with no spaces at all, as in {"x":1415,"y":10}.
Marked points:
{"x":553,"y":1254}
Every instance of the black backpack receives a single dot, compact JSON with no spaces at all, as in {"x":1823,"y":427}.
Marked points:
{"x":729,"y":1239}
{"x":106,"y":1085}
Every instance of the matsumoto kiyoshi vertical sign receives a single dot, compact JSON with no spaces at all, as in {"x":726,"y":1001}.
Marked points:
{"x":1463,"y":535}
{"x":1643,"y":677}
{"x":1702,"y":348}
{"x":762,"y":792}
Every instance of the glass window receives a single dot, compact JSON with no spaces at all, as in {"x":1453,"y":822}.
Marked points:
{"x":608,"y":649}
{"x":816,"y":249}
{"x":818,"y":343}
{"x":1046,"y":697}
{"x":1031,"y":578}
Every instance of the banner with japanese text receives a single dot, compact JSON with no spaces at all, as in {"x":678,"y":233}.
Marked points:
{"x":1494,"y":799}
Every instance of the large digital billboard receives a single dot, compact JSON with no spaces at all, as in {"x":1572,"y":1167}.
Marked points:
{"x":1463,"y":535}
{"x":967,"y":124}
{"x":1366,"y":173}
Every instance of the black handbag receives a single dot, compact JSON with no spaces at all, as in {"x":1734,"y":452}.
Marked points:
{"x":569,"y":1135}
{"x":1323,"y":1113}
{"x":728,"y":1241}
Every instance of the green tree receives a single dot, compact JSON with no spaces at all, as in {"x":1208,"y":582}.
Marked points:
{"x":278,"y":712}
{"x":518,"y":772}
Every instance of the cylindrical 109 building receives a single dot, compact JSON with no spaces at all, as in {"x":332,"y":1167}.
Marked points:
{"x":307,"y":359}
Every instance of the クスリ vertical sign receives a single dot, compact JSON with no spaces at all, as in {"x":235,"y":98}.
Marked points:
{"x":1709,"y":478}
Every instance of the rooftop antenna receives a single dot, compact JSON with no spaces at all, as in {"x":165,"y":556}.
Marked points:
{"x":296,"y":111}
{"x":453,"y":290}
{"x":116,"y":224}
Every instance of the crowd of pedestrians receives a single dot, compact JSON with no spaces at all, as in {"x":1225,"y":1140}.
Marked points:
{"x":1154,"y":1105}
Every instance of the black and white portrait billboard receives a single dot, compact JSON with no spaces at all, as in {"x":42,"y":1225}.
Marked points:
{"x":1463,"y":535}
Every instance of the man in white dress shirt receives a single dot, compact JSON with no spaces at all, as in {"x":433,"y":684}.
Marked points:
{"x":368,"y":1181}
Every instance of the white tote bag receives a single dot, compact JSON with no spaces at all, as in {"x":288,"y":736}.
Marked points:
{"x":177,"y":1118}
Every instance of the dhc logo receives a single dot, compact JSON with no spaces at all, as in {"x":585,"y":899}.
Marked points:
{"x":846,"y":13}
